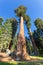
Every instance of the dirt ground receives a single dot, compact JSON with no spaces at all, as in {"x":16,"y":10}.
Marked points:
{"x":5,"y":58}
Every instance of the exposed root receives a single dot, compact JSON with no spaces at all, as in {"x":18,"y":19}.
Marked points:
{"x":26,"y":57}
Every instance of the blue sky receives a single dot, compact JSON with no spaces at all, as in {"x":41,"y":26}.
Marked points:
{"x":34,"y":9}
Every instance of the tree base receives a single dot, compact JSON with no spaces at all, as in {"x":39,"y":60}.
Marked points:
{"x":22,"y":57}
{"x":26,"y":57}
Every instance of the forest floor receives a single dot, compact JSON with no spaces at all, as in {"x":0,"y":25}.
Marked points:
{"x":5,"y":58}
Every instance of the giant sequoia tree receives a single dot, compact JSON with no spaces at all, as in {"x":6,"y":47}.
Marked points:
{"x":1,"y":20}
{"x":39,"y":23}
{"x":3,"y":36}
{"x":38,"y":34}
{"x":21,"y":45}
{"x":7,"y":33}
{"x":27,"y":19}
{"x":11,"y":27}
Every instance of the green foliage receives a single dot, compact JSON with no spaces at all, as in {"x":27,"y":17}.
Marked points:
{"x":29,"y":46}
{"x":1,"y":20}
{"x":27,"y":19}
{"x":20,"y":11}
{"x":38,"y":34}
{"x":39,"y":23}
{"x":14,"y":43}
{"x":7,"y":32}
{"x":38,"y":37}
{"x":2,"y":35}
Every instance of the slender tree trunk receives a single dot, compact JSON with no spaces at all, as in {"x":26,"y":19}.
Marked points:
{"x":33,"y":43}
{"x":10,"y":45}
{"x":21,"y":45}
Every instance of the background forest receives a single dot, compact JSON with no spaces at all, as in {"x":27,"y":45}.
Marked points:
{"x":9,"y":34}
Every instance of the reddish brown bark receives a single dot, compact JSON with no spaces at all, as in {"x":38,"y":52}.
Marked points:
{"x":33,"y":43}
{"x":21,"y":45}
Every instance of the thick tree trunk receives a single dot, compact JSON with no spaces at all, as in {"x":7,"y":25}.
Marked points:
{"x":21,"y":45}
{"x":33,"y":43}
{"x":23,"y":42}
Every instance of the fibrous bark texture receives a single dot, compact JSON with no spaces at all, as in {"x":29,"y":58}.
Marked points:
{"x":21,"y":45}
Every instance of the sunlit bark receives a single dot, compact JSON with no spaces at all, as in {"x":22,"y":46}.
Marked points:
{"x":21,"y":45}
